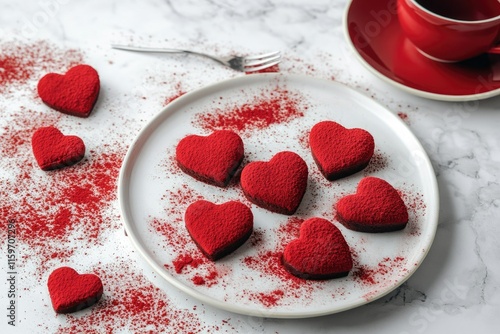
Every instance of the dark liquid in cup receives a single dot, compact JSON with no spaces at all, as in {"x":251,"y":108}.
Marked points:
{"x":464,"y":10}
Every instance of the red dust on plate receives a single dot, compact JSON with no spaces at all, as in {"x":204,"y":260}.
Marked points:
{"x":385,"y":273}
{"x":272,"y":107}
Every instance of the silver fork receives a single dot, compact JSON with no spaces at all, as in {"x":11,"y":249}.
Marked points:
{"x":238,"y":63}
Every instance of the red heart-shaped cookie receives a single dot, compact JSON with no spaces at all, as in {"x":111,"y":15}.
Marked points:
{"x":213,"y":159}
{"x":376,"y":207}
{"x":54,"y":150}
{"x":71,"y":292}
{"x":338,"y":151}
{"x":218,"y":230}
{"x":277,"y":185}
{"x":320,"y":252}
{"x":74,"y":93}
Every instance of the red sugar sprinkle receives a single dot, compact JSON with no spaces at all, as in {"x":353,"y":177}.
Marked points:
{"x":184,"y":260}
{"x":273,"y":107}
{"x":21,"y":62}
{"x":178,"y":93}
{"x":374,"y":276}
{"x":131,"y":303}
{"x":270,"y":299}
{"x":378,"y":162}
{"x":75,"y":199}
{"x":403,"y":116}
{"x":198,"y":280}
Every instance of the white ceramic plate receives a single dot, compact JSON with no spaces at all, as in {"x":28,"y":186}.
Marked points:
{"x":154,"y":193}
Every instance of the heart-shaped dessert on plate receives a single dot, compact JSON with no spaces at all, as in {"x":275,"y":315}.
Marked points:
{"x":54,"y":150}
{"x":320,"y":252}
{"x":71,"y":292}
{"x":376,"y":207}
{"x":340,"y":152}
{"x":74,"y":93}
{"x":211,"y":159}
{"x":218,"y":230}
{"x":277,"y":185}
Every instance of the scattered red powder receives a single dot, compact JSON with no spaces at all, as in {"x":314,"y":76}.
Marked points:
{"x":269,"y":263}
{"x":290,"y":230}
{"x":403,"y":116}
{"x":270,"y":299}
{"x":415,"y":203}
{"x":184,"y":260}
{"x":52,"y":209}
{"x":189,"y":260}
{"x":303,"y":139}
{"x":208,"y":280}
{"x":179,"y":91}
{"x":131,"y":303}
{"x":257,"y":237}
{"x":198,"y":280}
{"x":272,"y":107}
{"x":382,"y":272}
{"x":378,"y":162}
{"x":20,"y":63}
{"x":75,"y":199}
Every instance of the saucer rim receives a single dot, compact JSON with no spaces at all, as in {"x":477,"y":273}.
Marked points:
{"x":411,"y":90}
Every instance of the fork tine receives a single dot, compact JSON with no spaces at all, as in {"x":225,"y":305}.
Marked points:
{"x":257,"y":62}
{"x":258,"y":68}
{"x":265,"y":55}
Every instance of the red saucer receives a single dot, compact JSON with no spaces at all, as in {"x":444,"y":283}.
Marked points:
{"x":373,"y":30}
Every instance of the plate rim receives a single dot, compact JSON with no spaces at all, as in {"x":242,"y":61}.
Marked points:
{"x":411,"y":90}
{"x":141,"y":137}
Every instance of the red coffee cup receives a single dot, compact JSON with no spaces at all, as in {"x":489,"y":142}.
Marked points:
{"x":451,"y":30}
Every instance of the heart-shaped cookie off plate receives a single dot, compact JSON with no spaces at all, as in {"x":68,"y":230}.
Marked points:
{"x":154,"y":194}
{"x":74,"y":93}
{"x":52,"y":149}
{"x":70,"y":291}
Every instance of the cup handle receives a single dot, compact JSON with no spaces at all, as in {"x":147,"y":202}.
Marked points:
{"x":495,"y":50}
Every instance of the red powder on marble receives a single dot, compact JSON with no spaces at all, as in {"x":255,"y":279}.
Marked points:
{"x":403,"y":116}
{"x":69,"y":203}
{"x":132,"y":304}
{"x":179,"y":91}
{"x":272,"y":107}
{"x":20,"y":62}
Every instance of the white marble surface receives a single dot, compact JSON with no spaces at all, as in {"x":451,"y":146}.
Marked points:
{"x":457,"y":288}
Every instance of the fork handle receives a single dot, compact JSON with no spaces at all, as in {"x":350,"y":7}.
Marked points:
{"x":143,"y":49}
{"x":167,"y":50}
